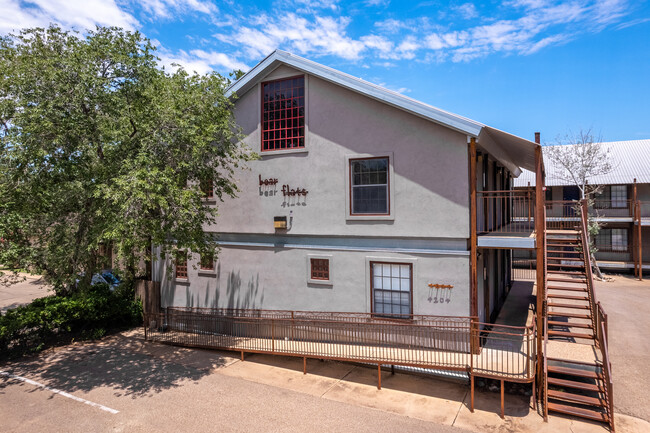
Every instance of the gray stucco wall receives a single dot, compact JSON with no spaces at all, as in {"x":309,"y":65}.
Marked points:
{"x":430,"y":170}
{"x":278,"y":279}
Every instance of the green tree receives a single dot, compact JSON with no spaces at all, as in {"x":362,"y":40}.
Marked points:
{"x":99,"y":146}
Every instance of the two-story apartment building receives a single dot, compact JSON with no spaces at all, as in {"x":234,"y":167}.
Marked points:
{"x":622,"y":206}
{"x":360,"y":202}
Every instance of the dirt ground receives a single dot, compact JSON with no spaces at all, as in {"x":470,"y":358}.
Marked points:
{"x":23,"y":292}
{"x":626,"y":301}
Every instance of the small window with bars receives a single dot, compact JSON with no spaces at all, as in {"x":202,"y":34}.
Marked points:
{"x":369,"y":186}
{"x":181,"y":265}
{"x":320,"y":269}
{"x":207,"y":262}
{"x":207,"y":188}
{"x":283,"y":114}
{"x":391,"y":289}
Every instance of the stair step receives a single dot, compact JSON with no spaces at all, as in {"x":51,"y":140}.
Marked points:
{"x":563,"y":252}
{"x":567,"y":280}
{"x":578,"y":411}
{"x":575,"y":385}
{"x":568,"y":259}
{"x":552,"y":333}
{"x":562,"y":245}
{"x":569,"y":315}
{"x":570,"y":324}
{"x":576,"y":398}
{"x":574,"y":372}
{"x":576,"y":306}
{"x":575,"y":298}
{"x":569,"y":289}
{"x":560,"y":265}
{"x":566,"y":272}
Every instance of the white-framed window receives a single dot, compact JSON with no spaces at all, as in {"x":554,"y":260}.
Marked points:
{"x":370,"y":187}
{"x":391,"y":286}
{"x":619,"y":239}
{"x":319,"y":269}
{"x":619,"y":196}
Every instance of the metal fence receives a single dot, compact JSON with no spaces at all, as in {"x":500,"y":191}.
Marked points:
{"x":449,"y":343}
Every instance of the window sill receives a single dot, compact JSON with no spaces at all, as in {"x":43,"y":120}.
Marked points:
{"x":207,"y":273}
{"x":320,"y":282}
{"x":370,"y":217}
{"x":264,"y":153}
{"x":182,"y":281}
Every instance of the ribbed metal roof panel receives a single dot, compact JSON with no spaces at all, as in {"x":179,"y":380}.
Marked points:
{"x":630,"y":159}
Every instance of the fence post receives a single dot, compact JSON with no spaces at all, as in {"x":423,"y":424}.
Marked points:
{"x":272,"y":336}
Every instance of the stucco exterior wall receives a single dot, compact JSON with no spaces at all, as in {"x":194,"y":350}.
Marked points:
{"x":429,"y":185}
{"x":278,"y":279}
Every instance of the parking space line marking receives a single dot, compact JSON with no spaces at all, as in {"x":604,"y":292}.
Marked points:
{"x":58,"y":391}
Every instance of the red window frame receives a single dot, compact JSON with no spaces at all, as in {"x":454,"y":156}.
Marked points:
{"x":207,"y":262}
{"x":388,"y":186}
{"x":181,"y":265}
{"x":283,"y":114}
{"x":319,"y":269}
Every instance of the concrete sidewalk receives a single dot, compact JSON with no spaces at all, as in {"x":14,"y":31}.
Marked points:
{"x":170,"y":389}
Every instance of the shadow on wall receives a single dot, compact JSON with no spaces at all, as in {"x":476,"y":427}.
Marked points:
{"x":209,"y":294}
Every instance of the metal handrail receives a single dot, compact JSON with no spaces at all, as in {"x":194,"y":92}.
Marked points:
{"x":586,"y":254}
{"x":607,"y":366}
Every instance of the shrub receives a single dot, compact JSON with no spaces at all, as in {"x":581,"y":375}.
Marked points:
{"x":59,"y":319}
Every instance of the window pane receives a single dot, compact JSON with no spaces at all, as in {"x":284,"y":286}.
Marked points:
{"x":286,"y":101}
{"x":370,"y":199}
{"x":391,"y":286}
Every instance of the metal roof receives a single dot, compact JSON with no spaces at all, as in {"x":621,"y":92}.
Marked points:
{"x":630,"y":159}
{"x":512,"y":151}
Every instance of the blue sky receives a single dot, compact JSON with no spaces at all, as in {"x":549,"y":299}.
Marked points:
{"x":518,"y":65}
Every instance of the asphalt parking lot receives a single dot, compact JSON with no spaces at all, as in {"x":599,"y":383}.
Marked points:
{"x":124,"y":384}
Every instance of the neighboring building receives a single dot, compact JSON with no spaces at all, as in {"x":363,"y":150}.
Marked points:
{"x":622,"y":207}
{"x":360,"y":202}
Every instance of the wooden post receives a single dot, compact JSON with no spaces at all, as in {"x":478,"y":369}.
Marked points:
{"x":503,"y":415}
{"x":378,"y":376}
{"x":635,"y":241}
{"x":473,"y":282}
{"x":471,"y":398}
{"x":540,"y":228}
{"x":304,"y":365}
{"x":638,"y":263}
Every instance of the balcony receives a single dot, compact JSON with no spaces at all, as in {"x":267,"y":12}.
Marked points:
{"x":506,"y":219}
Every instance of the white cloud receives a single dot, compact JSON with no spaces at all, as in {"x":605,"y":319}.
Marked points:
{"x":76,"y":14}
{"x":467,"y":11}
{"x":170,"y":8}
{"x":199,"y":61}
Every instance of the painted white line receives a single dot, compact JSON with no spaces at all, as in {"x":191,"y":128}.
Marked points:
{"x":58,"y":391}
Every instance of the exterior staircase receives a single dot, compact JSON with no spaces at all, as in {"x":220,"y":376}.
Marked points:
{"x":572,"y":316}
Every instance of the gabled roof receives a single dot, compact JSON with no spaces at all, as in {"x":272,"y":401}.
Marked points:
{"x":513,"y":152}
{"x":630,"y":159}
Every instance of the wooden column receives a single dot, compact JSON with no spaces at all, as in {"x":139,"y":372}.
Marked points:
{"x":540,"y":235}
{"x":473,"y":282}
{"x":635,"y":235}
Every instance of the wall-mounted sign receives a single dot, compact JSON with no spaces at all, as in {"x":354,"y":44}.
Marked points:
{"x":266,"y":182}
{"x":287,"y":191}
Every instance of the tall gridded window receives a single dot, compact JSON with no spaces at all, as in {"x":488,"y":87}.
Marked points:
{"x":391,"y":289}
{"x":283,"y":114}
{"x":619,"y":196}
{"x":619,"y":239}
{"x":369,"y":184}
{"x":181,"y":265}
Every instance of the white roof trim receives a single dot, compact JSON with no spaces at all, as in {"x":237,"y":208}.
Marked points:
{"x":461,"y":124}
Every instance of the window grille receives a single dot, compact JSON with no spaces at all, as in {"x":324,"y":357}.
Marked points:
{"x":181,"y":265}
{"x":283,"y":114}
{"x":320,"y":269}
{"x":391,"y":289}
{"x":207,"y":262}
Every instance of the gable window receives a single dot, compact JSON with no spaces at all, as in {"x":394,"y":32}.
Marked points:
{"x":619,"y":196}
{"x":283,"y":114}
{"x":207,"y":262}
{"x":181,"y":265}
{"x":320,"y":269}
{"x":369,"y":186}
{"x":391,"y":289}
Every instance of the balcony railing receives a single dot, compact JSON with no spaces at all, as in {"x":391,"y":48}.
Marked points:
{"x":612,"y":208}
{"x":509,"y":211}
{"x":438,"y":342}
